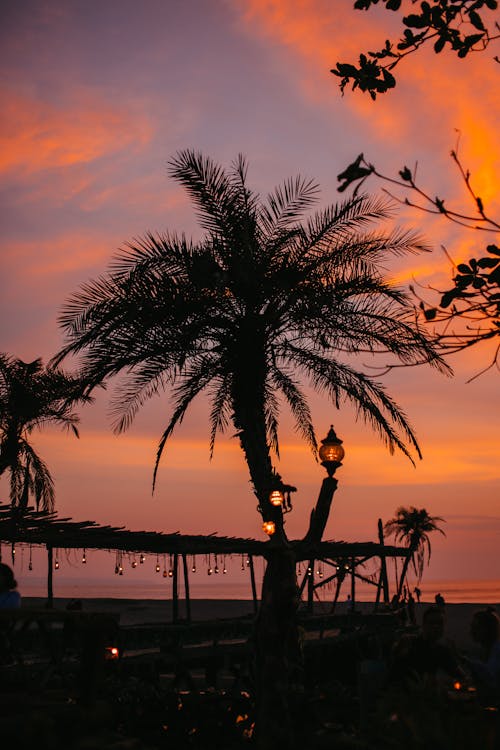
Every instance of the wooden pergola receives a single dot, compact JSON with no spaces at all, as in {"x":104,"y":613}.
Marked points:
{"x":47,"y":529}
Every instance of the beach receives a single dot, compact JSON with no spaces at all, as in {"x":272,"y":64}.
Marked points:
{"x":135,"y":612}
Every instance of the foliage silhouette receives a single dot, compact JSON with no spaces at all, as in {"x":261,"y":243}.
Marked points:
{"x":32,"y":397}
{"x":475,"y":294}
{"x":258,"y":299}
{"x":413,"y":526}
{"x":463,"y":26}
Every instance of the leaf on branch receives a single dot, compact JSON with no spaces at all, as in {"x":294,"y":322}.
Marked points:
{"x":448,"y":297}
{"x":430,"y":313}
{"x":416,"y":22}
{"x":476,"y":20}
{"x":493,"y":249}
{"x":405,"y":174}
{"x":352,"y":173}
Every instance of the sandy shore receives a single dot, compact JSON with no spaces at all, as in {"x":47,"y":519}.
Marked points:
{"x":154,"y":611}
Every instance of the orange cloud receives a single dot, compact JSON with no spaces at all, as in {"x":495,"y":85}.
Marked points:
{"x":36,"y":135}
{"x":441,"y":91}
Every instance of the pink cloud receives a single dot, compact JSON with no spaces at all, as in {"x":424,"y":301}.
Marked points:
{"x":36,"y":135}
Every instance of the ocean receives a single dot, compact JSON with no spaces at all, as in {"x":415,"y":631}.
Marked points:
{"x":219,"y":587}
{"x":95,"y":578}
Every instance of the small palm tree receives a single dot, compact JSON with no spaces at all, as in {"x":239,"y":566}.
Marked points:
{"x":413,"y":526}
{"x":32,"y":397}
{"x":263,"y":301}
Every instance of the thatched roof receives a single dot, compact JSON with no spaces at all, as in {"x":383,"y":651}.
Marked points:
{"x":48,"y":529}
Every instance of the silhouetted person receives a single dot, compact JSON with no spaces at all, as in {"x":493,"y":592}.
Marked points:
{"x":10,"y":598}
{"x":425,"y":654}
{"x":439,"y":599}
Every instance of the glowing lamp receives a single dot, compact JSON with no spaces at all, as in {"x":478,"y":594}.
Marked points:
{"x":276,"y":498}
{"x":111,"y":653}
{"x":331,"y":452}
{"x":457,"y":685}
{"x":269,"y":527}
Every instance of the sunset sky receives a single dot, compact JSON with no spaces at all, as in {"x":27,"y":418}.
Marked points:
{"x":96,"y":97}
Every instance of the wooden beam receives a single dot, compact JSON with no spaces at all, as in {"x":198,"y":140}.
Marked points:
{"x":254,"y":587}
{"x":50,"y":573}
{"x":186,"y":586}
{"x":175,"y":589}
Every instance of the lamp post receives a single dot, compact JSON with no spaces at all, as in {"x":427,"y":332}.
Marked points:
{"x":331,"y":454}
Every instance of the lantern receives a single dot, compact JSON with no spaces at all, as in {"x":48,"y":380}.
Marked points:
{"x":331,"y":452}
{"x":276,"y":497}
{"x":269,"y":527}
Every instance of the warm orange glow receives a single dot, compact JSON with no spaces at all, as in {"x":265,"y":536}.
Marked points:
{"x":111,"y":653}
{"x":457,"y":685}
{"x":276,"y":498}
{"x":269,"y":527}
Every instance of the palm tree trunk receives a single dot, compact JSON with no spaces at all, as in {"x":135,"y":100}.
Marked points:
{"x":277,"y":646}
{"x":404,"y":571}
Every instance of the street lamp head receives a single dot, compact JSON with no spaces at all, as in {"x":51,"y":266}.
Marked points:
{"x":331,"y":452}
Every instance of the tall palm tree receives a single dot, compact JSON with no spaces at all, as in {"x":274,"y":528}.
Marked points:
{"x":262,"y":300}
{"x":32,"y":397}
{"x":412,"y":526}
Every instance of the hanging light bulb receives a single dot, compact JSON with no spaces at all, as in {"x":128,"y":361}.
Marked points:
{"x":165,"y":574}
{"x":134,"y":563}
{"x":276,"y":498}
{"x":216,"y":569}
{"x":84,"y":557}
{"x":157,"y":568}
{"x":224,"y":569}
{"x":30,"y":564}
{"x":170,"y":573}
{"x":141,"y":559}
{"x":56,"y":564}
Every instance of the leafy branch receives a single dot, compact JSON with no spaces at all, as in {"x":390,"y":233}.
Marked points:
{"x":460,"y":25}
{"x":475,"y":294}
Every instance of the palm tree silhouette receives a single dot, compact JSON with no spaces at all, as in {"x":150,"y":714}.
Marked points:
{"x":413,"y":526}
{"x":265,"y":300}
{"x":32,"y":397}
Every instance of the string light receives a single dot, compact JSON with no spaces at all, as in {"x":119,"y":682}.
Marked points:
{"x":224,"y":569}
{"x":157,"y":566}
{"x":30,"y":564}
{"x":84,"y":557}
{"x":141,"y":559}
{"x":193,"y":567}
{"x":56,"y":564}
{"x":216,"y":569}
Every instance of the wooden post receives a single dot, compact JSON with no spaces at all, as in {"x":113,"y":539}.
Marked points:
{"x":254,"y":587}
{"x":353,"y":582}
{"x":186,"y":586}
{"x":175,"y":589}
{"x":383,"y":565}
{"x":50,"y":573}
{"x":310,"y":587}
